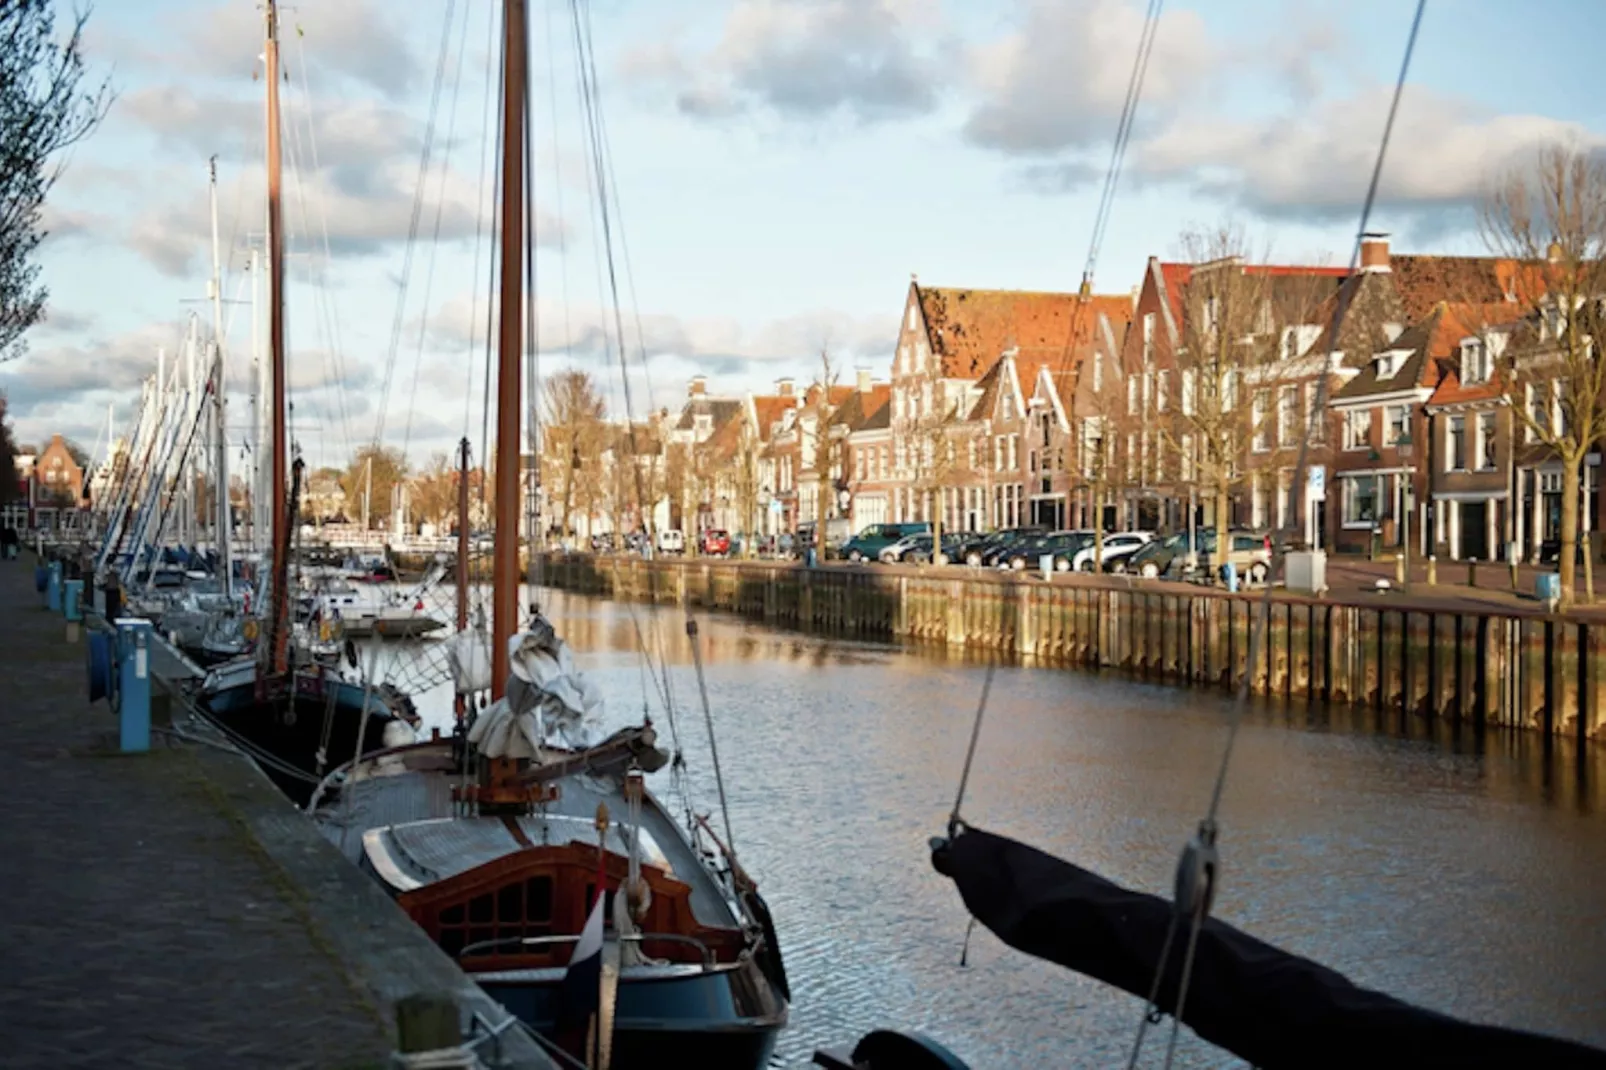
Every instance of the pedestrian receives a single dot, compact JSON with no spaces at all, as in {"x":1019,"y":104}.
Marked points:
{"x":9,"y":541}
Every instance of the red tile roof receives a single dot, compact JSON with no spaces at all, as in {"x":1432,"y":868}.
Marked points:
{"x":970,"y":329}
{"x":769,"y":408}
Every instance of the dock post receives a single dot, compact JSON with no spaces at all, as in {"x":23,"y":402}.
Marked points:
{"x":72,"y":606}
{"x":134,"y":684}
{"x":53,"y":587}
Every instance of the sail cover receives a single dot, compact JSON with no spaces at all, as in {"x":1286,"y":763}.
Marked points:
{"x":1265,"y":1005}
{"x":549,"y":701}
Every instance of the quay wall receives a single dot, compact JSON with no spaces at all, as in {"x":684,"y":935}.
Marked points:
{"x":1483,"y":668}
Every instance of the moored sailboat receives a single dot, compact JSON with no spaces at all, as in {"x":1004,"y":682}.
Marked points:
{"x":532,"y":853}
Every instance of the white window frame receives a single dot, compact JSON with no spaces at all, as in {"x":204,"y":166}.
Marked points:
{"x":1357,"y":429}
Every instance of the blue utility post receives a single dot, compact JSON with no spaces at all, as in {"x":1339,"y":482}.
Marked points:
{"x":73,"y":607}
{"x":134,"y":682}
{"x":53,"y":587}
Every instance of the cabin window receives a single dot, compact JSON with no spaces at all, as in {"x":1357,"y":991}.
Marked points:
{"x":514,"y":911}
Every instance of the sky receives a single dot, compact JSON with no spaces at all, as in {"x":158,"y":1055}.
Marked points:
{"x":780,"y":169}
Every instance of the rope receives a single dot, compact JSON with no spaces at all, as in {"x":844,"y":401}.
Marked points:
{"x":1206,"y":836}
{"x":970,"y":752}
{"x":460,"y":1057}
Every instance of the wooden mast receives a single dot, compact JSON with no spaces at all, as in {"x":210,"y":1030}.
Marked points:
{"x":279,"y":626}
{"x":460,"y":705}
{"x":509,"y":347}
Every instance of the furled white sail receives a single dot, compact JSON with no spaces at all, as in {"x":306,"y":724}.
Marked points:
{"x":549,"y":702}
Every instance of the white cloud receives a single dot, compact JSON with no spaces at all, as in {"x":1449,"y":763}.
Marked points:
{"x":806,"y":59}
{"x":1059,"y":80}
{"x":1319,"y":162}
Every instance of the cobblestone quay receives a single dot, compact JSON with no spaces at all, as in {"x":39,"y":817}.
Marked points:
{"x":171,"y":909}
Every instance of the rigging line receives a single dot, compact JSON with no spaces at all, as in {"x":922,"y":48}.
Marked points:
{"x":325,"y":304}
{"x":435,"y":233}
{"x":585,"y":74}
{"x":497,"y":237}
{"x":532,"y":364}
{"x":970,"y":752}
{"x":557,"y":175}
{"x":1207,"y":828}
{"x":1123,"y":136}
{"x":486,"y":139}
{"x":412,"y":225}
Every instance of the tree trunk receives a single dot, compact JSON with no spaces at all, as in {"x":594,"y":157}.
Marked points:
{"x":1569,"y":527}
{"x":936,"y":528}
{"x":1223,"y":525}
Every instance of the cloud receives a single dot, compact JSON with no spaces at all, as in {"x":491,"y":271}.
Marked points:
{"x":1316,"y":164}
{"x":1059,"y":81}
{"x":806,"y":59}
{"x":359,"y":196}
{"x":357,"y":41}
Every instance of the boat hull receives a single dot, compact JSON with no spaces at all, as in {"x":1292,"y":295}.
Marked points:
{"x":292,"y":729}
{"x":689,"y":1020}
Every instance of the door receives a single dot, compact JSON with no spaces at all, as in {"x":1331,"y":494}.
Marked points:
{"x":1474,"y":531}
{"x":1320,"y":542}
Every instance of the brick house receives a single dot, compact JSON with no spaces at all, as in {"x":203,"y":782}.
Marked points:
{"x":59,"y":479}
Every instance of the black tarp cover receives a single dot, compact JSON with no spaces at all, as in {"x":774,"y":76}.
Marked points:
{"x":1267,"y":1006}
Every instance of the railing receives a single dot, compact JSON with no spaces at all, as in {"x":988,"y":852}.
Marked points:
{"x":481,"y":946}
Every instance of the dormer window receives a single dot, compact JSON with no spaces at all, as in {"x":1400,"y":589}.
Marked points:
{"x":1388,"y":364}
{"x":1290,"y":343}
{"x":1474,"y":362}
{"x":1551,"y":330}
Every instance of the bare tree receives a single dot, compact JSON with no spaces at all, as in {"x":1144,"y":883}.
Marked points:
{"x":43,"y":111}
{"x":827,"y":451}
{"x":1229,"y":343}
{"x":434,"y":496}
{"x":573,"y":439}
{"x":939,"y":445}
{"x":1550,"y":216}
{"x":372,"y":477}
{"x":1100,"y":407}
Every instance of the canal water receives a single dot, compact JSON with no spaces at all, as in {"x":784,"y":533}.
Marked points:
{"x":1467,"y":874}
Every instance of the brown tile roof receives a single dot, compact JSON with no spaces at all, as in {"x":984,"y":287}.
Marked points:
{"x":725,"y":441}
{"x":857,"y":407}
{"x":769,"y":408}
{"x":721,"y":409}
{"x":989,"y":385}
{"x":880,"y":417}
{"x":1424,"y":281}
{"x":1457,"y":322}
{"x":1176,"y":276}
{"x":1418,"y":369}
{"x":970,"y":329}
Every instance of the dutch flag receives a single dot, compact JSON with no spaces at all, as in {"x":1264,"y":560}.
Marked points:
{"x":580,"y":993}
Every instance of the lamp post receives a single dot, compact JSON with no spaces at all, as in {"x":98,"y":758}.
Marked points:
{"x":1403,"y":446}
{"x":1377,"y":501}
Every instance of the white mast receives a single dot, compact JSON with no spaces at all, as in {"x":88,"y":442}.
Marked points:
{"x":220,"y":474}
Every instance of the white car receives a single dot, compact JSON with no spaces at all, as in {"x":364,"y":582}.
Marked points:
{"x":1121,"y":542}
{"x":671,"y":541}
{"x":893,"y":554}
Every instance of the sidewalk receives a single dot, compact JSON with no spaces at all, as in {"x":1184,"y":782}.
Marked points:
{"x":141,"y":924}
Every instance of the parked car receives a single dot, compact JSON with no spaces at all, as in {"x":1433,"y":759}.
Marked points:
{"x":671,"y":541}
{"x":1249,"y":555}
{"x":602,"y":544}
{"x":1119,"y":544}
{"x":1062,"y":546}
{"x":1000,"y":543}
{"x":916,"y":549}
{"x":1157,"y":557}
{"x":715,"y":542}
{"x":868,"y":544}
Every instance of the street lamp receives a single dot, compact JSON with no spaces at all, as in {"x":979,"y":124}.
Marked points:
{"x":1377,"y":500}
{"x":1403,"y":446}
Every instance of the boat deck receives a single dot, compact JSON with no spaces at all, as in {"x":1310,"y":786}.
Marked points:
{"x":388,"y":802}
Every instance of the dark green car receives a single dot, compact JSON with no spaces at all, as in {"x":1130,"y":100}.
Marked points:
{"x":868,"y":544}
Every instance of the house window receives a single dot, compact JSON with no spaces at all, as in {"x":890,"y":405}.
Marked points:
{"x":1258,"y":420}
{"x":1558,"y":412}
{"x":1229,"y":390}
{"x":1186,"y":460}
{"x":1162,"y":389}
{"x":1098,"y":372}
{"x":1357,"y":429}
{"x":1009,"y":405}
{"x":1132,"y":395}
{"x":1014,"y":452}
{"x":1288,"y":416}
{"x":1360,"y":500}
{"x":1486,"y":440}
{"x":1290,"y":343}
{"x":1397,"y":415}
{"x":1456,"y":447}
{"x":1536,"y":411}
{"x":1212,"y":316}
{"x":1317,"y":421}
{"x":1131,"y":456}
{"x":1474,"y":362}
{"x":1188,"y":390}
{"x":1148,"y":336}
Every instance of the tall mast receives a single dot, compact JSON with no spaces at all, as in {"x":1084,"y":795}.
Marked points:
{"x":505,"y":570}
{"x":459,"y":705}
{"x":258,"y":439}
{"x":220,"y":440}
{"x":279,"y":627}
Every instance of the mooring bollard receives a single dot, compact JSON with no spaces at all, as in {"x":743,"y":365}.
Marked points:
{"x":72,"y":606}
{"x":1472,"y":572}
{"x":1399,"y":569}
{"x":53,"y":587}
{"x":1433,"y":569}
{"x":134,"y":684}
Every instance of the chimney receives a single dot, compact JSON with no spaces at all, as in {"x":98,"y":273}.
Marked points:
{"x":1375,"y":251}
{"x":864,"y":380}
{"x":697,"y":387}
{"x":784,"y":387}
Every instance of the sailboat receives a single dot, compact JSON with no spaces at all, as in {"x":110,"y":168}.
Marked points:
{"x":301,"y":714}
{"x":534,"y":855}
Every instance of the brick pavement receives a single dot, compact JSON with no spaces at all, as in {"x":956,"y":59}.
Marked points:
{"x":141,"y":924}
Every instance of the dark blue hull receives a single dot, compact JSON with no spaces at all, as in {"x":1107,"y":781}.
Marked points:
{"x":293,"y":729}
{"x":722,"y":1018}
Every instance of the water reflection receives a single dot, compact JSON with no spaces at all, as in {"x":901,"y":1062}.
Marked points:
{"x":1460,"y":869}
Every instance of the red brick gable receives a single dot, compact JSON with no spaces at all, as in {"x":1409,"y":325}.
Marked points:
{"x":970,"y":329}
